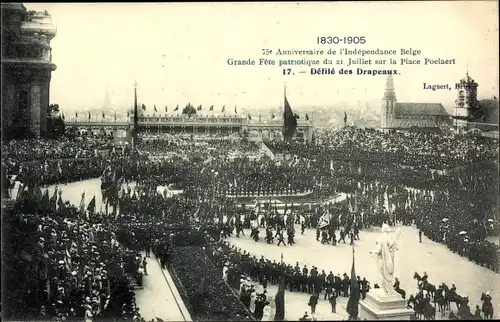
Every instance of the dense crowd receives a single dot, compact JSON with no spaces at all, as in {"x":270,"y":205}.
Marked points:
{"x":78,"y":264}
{"x":73,"y":265}
{"x":63,"y":148}
{"x":434,"y":150}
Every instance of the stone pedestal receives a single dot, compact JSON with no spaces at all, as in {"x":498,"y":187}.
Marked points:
{"x":379,"y":306}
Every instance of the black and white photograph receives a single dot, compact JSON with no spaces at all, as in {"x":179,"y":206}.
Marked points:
{"x":250,"y":161}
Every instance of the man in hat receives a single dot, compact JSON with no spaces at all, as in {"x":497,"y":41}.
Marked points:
{"x":313,"y":301}
{"x":333,"y":302}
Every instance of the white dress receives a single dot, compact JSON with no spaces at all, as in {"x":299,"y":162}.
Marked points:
{"x":224,"y":273}
{"x":253,"y":296}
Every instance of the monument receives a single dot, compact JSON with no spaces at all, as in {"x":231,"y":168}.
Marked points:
{"x":385,"y":303}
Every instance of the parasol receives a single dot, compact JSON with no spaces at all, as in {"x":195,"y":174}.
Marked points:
{"x":445,"y":219}
{"x":463,"y":232}
{"x":490,"y":220}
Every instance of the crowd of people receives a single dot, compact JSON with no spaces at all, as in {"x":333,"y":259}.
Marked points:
{"x":78,"y":263}
{"x":73,"y":264}
{"x":434,"y":150}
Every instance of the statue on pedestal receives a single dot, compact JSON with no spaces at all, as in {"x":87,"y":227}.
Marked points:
{"x":384,"y":251}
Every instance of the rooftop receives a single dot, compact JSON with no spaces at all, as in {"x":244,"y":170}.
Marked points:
{"x":420,"y":109}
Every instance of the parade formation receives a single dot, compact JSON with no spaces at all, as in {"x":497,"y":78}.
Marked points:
{"x":259,"y":212}
{"x":81,"y":260}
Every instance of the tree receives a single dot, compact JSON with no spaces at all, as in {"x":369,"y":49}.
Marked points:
{"x":55,"y":122}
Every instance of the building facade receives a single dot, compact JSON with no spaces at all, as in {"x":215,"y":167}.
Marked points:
{"x":218,"y":125}
{"x":466,"y":105}
{"x":470,"y":113}
{"x":224,"y":125}
{"x":407,"y":116}
{"x":26,"y":69}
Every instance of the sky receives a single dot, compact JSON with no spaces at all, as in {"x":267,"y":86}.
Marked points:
{"x":178,"y":52}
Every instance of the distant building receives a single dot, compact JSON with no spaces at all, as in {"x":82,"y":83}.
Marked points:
{"x":471,"y":113}
{"x":407,"y":116}
{"x":26,"y":69}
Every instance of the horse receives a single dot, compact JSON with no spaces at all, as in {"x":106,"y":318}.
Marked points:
{"x":464,"y":310}
{"x":422,"y":307}
{"x":455,"y":298}
{"x":446,"y":295}
{"x":428,"y":310}
{"x":416,"y":306}
{"x":487,"y":307}
{"x":440,"y":300}
{"x":426,"y":286}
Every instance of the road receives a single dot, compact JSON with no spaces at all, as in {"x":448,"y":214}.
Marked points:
{"x":440,"y":264}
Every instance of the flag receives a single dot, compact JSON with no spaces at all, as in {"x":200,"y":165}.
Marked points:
{"x":289,"y":122}
{"x":273,"y":116}
{"x":143,"y":107}
{"x":249,"y":117}
{"x":176,"y":108}
{"x":103,"y":115}
{"x":353,"y":302}
{"x":223,"y":108}
{"x":53,"y":200}
{"x":128,"y":114}
{"x":197,"y":212}
{"x":211,"y":108}
{"x":199,"y":108}
{"x":154,"y":106}
{"x":307,"y":117}
{"x":82,"y":203}
{"x":345,"y":117}
{"x":166,"y":108}
{"x":89,"y":115}
{"x":76,"y":114}
{"x":324,"y":220}
{"x":91,"y":206}
{"x":235,"y":110}
{"x":63,"y":115}
{"x":67,"y":260}
{"x":60,"y":202}
{"x":115,"y":116}
{"x":280,"y":300}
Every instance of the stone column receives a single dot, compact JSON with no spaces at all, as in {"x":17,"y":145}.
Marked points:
{"x":9,"y":104}
{"x":35,"y":107}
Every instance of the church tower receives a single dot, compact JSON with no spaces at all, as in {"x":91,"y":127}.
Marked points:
{"x":466,"y":104}
{"x":388,"y":103}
